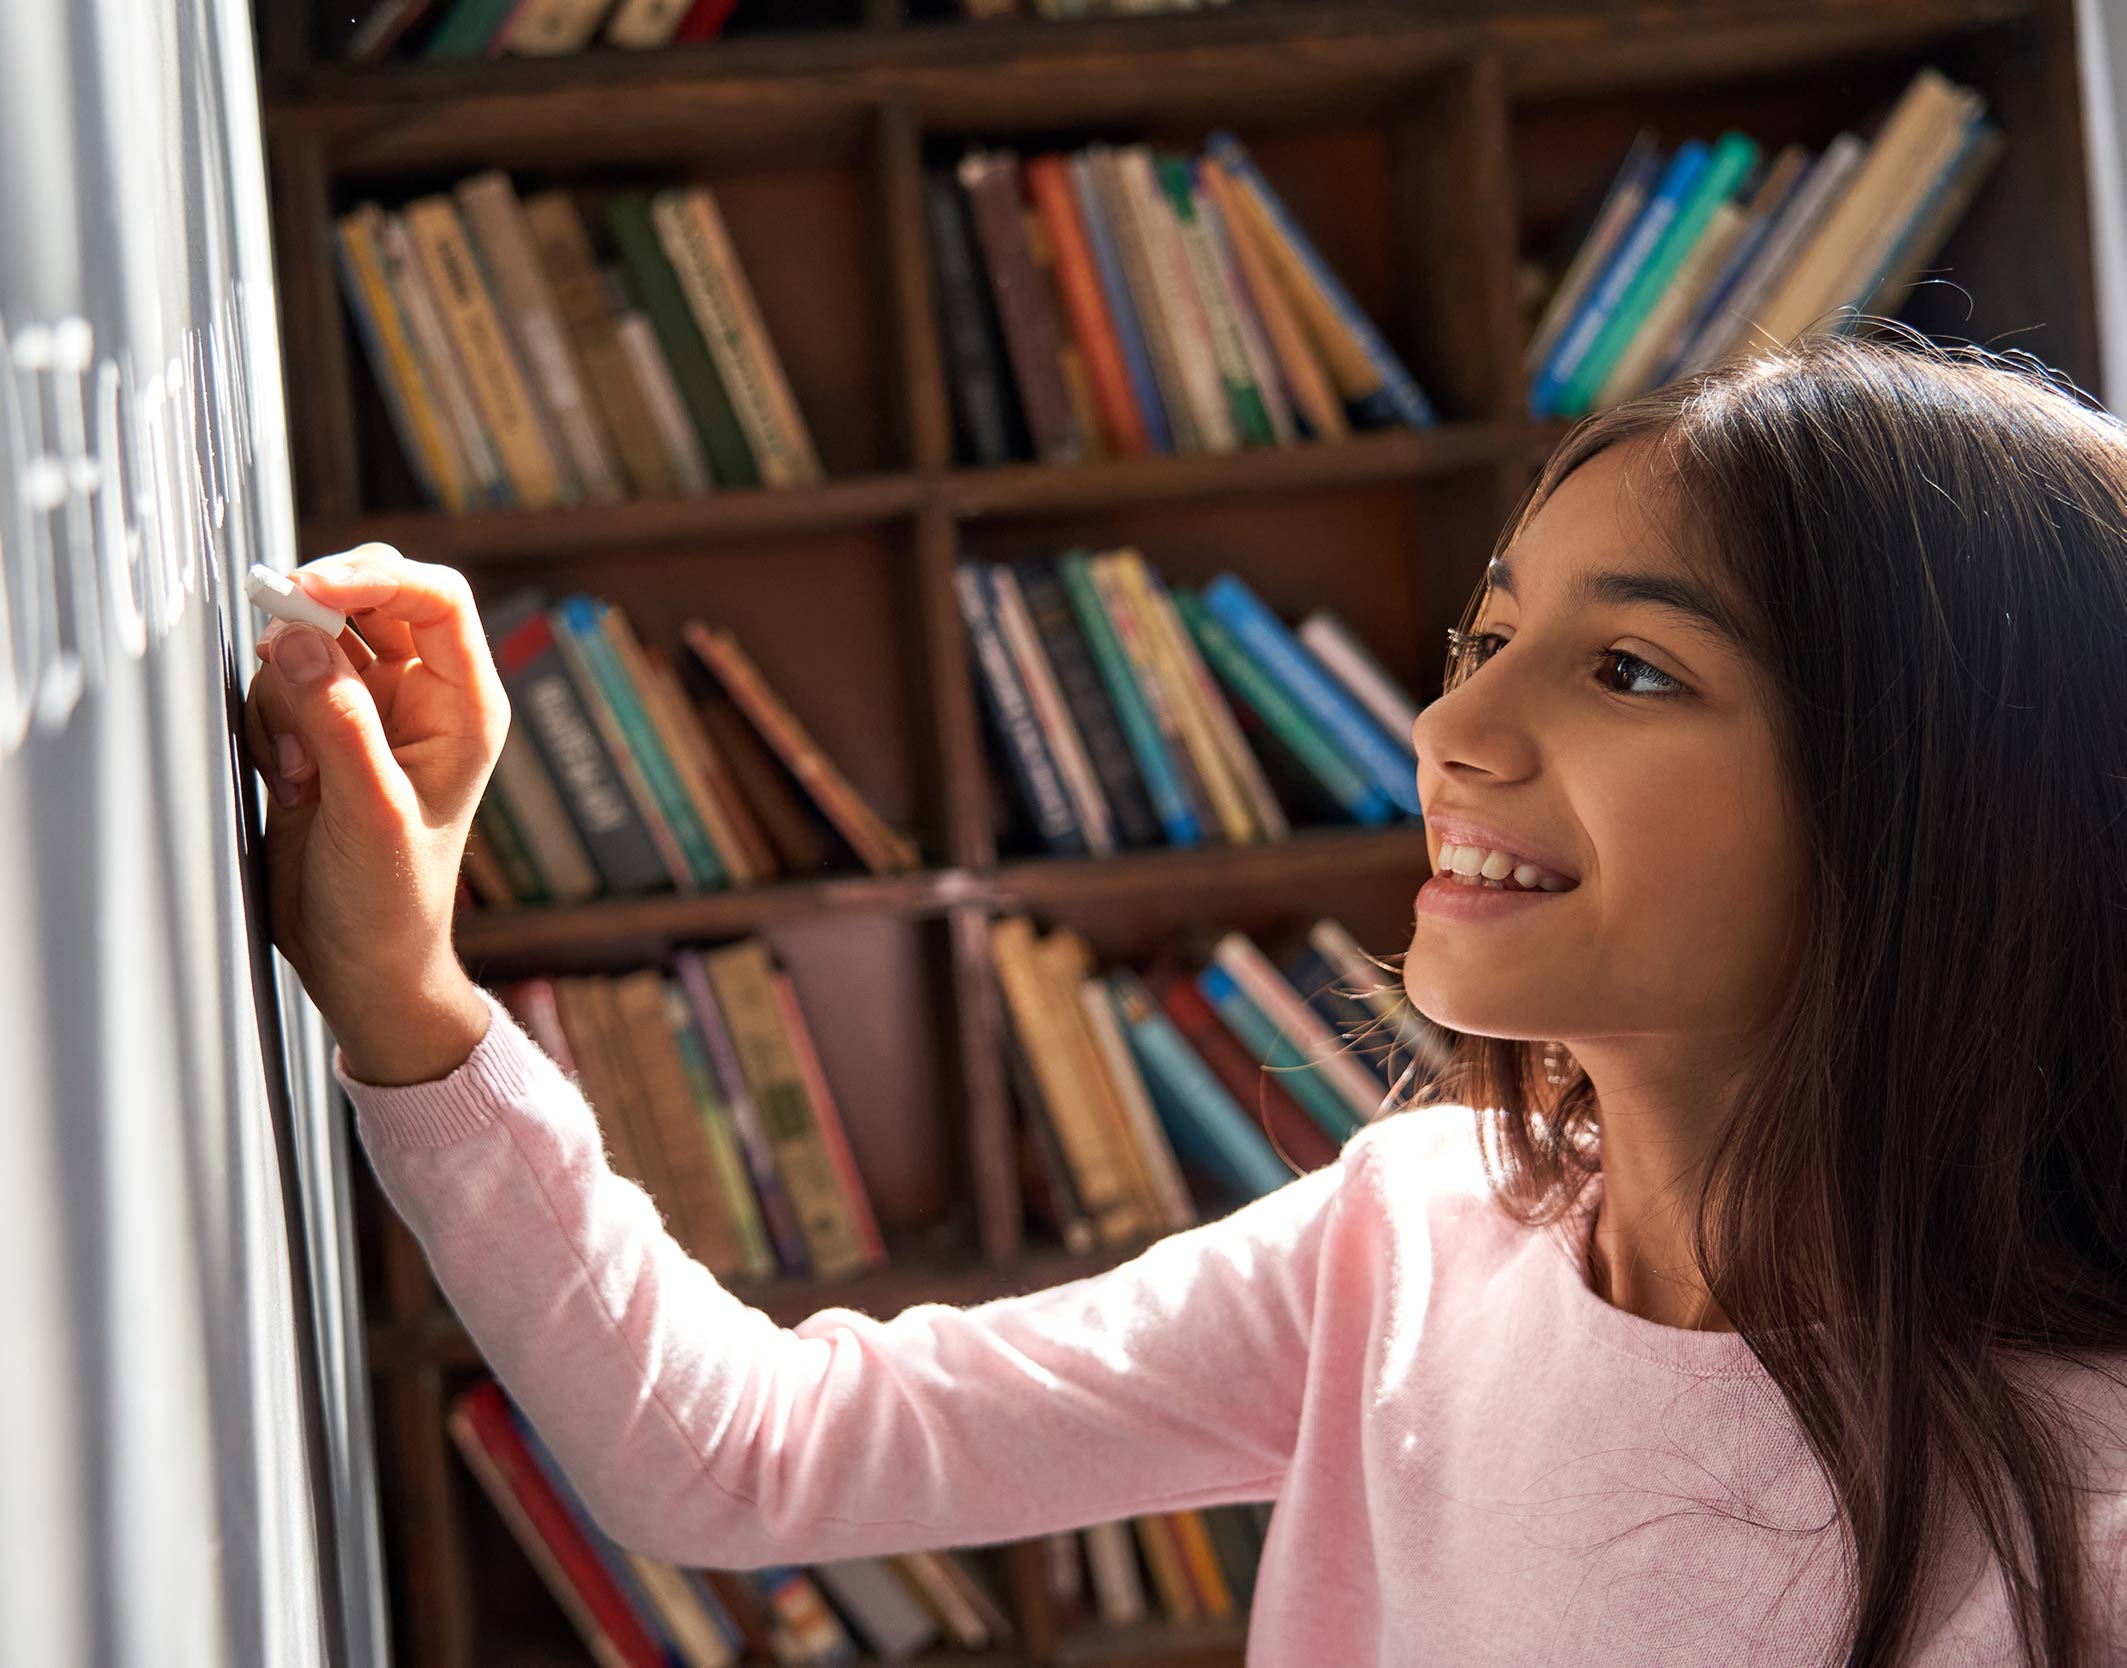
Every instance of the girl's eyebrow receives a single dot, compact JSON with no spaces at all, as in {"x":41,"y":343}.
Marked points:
{"x":1693,"y":605}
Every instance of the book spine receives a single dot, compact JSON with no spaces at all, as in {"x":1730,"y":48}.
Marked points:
{"x":467,"y":28}
{"x":1265,"y":1096}
{"x":1170,"y":1576}
{"x":978,"y":380}
{"x":1134,"y":633}
{"x":1118,"y":1589}
{"x":740,"y":974}
{"x":701,"y":252}
{"x":1632,"y":371}
{"x":1229,"y":351}
{"x":504,"y":239}
{"x":502,"y":846}
{"x":1207,"y":1126}
{"x":1281,"y":1004}
{"x":1030,"y":333}
{"x":685,"y":354}
{"x":1202,"y":1563}
{"x":415,"y":410}
{"x":1175,"y":293}
{"x":834,"y":1137}
{"x":1254,"y":786}
{"x":643,"y":25}
{"x":677,"y":441}
{"x":1121,"y":310}
{"x":1426,"y":1043}
{"x":528,"y":795}
{"x":575,"y":755}
{"x":1015,"y":626}
{"x":1049,"y":184}
{"x":1119,"y":208}
{"x":1307,"y":383}
{"x":1079,"y":682}
{"x":778,"y":1211}
{"x":882,"y":850}
{"x":1139,"y":725}
{"x":704,"y":21}
{"x":1248,"y":318}
{"x":382,"y":28}
{"x":749,"y":841}
{"x":1284,"y":717}
{"x":563,"y":249}
{"x":438,"y":358}
{"x":694,"y":1636}
{"x":1170,"y":1194}
{"x":1264,"y":636}
{"x":640,"y":760}
{"x":1065,"y":962}
{"x":1789,"y":173}
{"x":1388,"y":393}
{"x":1620,"y":207}
{"x":1330,"y":640}
{"x":735,"y":1193}
{"x":682,"y":782}
{"x":1277,"y":1054}
{"x":688,"y":749}
{"x":1310,"y":973}
{"x":497,"y":382}
{"x":1046,"y":1172}
{"x":586,"y":1018}
{"x":554,"y":28}
{"x":1934,"y":220}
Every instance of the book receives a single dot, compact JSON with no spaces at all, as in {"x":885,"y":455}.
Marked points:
{"x":683,"y":350}
{"x":704,"y":21}
{"x":748,"y":858}
{"x":1224,"y":262}
{"x":1421,"y":1040}
{"x":734,"y":1190}
{"x":1118,"y":1589}
{"x":641,"y":25}
{"x":533,"y":802}
{"x":877,"y":1601}
{"x":1101,"y":244}
{"x":686,"y":461}
{"x":1085,"y":304}
{"x":806,"y":1630}
{"x":1175,"y":294}
{"x":1070,"y":358}
{"x":1119,"y":209}
{"x":1264,"y":1096}
{"x":1170,"y":1576}
{"x":1201,"y":1562}
{"x":881,"y":849}
{"x":1120,"y":605}
{"x":440,"y":369}
{"x":991,"y":183}
{"x":1015,"y":626}
{"x":553,"y":28}
{"x":1021,"y":739}
{"x":1140,"y":725}
{"x":1237,"y":953}
{"x":1278,"y":1054}
{"x":796,"y":843}
{"x":586,"y":1017}
{"x":466,"y":30}
{"x":1229,"y":349}
{"x":827,"y":1116}
{"x":1065,"y":962}
{"x":1170,"y":1197}
{"x":1265,"y":637}
{"x":1931,"y":224}
{"x":1349,"y":661}
{"x":1621,"y":205}
{"x":982,"y":400}
{"x":1044,"y":1171}
{"x":1306,"y":382}
{"x":1086,"y":697}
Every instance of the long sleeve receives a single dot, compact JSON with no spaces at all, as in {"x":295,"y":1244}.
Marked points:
{"x":699,"y":1430}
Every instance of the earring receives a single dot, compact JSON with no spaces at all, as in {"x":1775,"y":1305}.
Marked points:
{"x":1554,"y":1065}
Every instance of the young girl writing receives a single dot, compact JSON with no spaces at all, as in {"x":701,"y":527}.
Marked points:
{"x":1768,"y":1305}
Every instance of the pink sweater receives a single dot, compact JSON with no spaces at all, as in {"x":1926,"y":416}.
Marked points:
{"x":1476,"y":1460}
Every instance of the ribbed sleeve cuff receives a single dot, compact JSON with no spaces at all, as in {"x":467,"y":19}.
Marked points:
{"x":498,"y":1073}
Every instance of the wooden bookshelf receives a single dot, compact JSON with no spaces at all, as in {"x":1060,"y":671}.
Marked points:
{"x":1430,"y":148}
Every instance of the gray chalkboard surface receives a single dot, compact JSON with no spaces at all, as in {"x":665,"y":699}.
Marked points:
{"x":185,"y":1471}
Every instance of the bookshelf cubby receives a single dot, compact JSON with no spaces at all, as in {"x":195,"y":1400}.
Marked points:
{"x":1430,"y":149}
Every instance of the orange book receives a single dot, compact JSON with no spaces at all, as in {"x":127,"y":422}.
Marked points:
{"x":1049,"y":184}
{"x":1201,"y":1560}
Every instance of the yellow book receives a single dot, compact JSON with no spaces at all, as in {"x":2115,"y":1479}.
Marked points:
{"x":1163,"y":1556}
{"x":1065,"y":960}
{"x":1228,"y":801}
{"x":491,"y":368}
{"x":401,"y":369}
{"x":1349,"y":367}
{"x":1202,"y":1562}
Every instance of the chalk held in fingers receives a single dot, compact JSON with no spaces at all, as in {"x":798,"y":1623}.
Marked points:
{"x":278,"y":595}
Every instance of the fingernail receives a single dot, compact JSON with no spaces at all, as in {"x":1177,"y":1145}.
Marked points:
{"x":302,"y":655}
{"x":334,"y":570}
{"x":291,"y":755}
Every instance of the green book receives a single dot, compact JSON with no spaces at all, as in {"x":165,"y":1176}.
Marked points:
{"x":467,"y":28}
{"x":506,"y":841}
{"x":1322,"y":758}
{"x":1280,"y":1055}
{"x":584,"y":620}
{"x":1733,"y":158}
{"x":657,"y":287}
{"x":1250,"y":416}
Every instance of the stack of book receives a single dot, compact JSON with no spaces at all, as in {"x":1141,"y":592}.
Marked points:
{"x":640,"y":1612}
{"x":1702,"y":252}
{"x":1119,"y":302}
{"x":440,"y":30}
{"x":1142,"y":1093}
{"x":521,"y":371}
{"x":1131,"y":713}
{"x":635,"y":1611}
{"x":710,"y":1094}
{"x":619,"y":775}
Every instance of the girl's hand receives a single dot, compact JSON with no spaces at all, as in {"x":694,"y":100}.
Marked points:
{"x":374,"y":775}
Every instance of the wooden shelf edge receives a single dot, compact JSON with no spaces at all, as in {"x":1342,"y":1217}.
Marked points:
{"x":1054,"y":883}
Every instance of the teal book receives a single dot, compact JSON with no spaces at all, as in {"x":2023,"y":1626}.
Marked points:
{"x":1209,"y":1129}
{"x":1279,"y":1054}
{"x":1170,"y":803}
{"x":583,"y":618}
{"x":1730,"y":163}
{"x":467,"y":28}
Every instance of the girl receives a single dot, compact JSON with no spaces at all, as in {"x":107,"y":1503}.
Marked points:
{"x":1767,"y":1306}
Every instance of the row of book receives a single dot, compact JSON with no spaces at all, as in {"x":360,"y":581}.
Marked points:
{"x":1142,"y":1094}
{"x":1694,"y":254}
{"x":710,"y":1094}
{"x":442,"y":30}
{"x":628,"y":768}
{"x":520,"y":371}
{"x":1118,"y":301}
{"x":1128,"y":712}
{"x":634,"y":1611}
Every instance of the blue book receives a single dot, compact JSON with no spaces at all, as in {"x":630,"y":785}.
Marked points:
{"x":1206,"y":1124}
{"x":1115,"y":287}
{"x":1318,"y":693}
{"x":1399,"y":399}
{"x":1279,"y":1054}
{"x":1019,"y":734}
{"x":609,"y":1554}
{"x":1170,"y":801}
{"x":1369,"y":1037}
{"x":1678,"y":181}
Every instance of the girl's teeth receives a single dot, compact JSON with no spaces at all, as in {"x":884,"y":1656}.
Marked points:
{"x":1527,"y":876}
{"x":1467,"y":860}
{"x":1496,"y":866}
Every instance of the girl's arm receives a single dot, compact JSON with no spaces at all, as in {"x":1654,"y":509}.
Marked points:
{"x":700,"y":1431}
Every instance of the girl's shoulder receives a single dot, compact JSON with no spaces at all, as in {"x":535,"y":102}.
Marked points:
{"x":1422,"y":1173}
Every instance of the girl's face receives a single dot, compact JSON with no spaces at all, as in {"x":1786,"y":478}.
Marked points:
{"x":1614,"y":736}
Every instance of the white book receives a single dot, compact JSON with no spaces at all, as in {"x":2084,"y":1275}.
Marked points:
{"x":1168,"y":1189}
{"x":1305,"y":1029}
{"x":1188,"y":330}
{"x":1225,"y":728}
{"x":1016,"y":623}
{"x":877,"y":1600}
{"x":1425,"y":1042}
{"x":1330,"y":641}
{"x":700,"y":1644}
{"x":683,"y":447}
{"x":1118,"y":1589}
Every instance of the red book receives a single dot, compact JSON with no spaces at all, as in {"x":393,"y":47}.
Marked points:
{"x":705,"y":22}
{"x":480,"y":1423}
{"x":1296,"y":1137}
{"x":1086,"y":306}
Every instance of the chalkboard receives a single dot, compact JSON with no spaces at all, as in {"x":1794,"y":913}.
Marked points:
{"x":185,"y":1471}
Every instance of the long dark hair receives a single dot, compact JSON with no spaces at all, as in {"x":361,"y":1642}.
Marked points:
{"x":1926,"y":1187}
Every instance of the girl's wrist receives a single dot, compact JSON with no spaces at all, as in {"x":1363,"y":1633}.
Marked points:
{"x":422,"y":1032}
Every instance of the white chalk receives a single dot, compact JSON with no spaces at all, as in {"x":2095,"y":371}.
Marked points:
{"x":280,"y":596}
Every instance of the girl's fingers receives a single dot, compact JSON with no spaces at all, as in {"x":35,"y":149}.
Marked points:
{"x":433,"y":603}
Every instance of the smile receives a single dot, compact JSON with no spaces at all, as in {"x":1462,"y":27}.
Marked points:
{"x":1497,"y":870}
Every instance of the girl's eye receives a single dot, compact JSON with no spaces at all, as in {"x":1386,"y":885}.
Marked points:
{"x":1616,"y":662}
